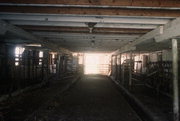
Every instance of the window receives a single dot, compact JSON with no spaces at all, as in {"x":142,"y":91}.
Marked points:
{"x":40,"y":57}
{"x":18,"y":55}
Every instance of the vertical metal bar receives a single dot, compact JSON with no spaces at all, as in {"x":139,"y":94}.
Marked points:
{"x":48,"y":63}
{"x":117,"y":62}
{"x":130,"y":69}
{"x":28,"y":67}
{"x":83,"y":64}
{"x":123,"y":79}
{"x":42,"y":68}
{"x":175,"y":80}
{"x":111,"y":66}
{"x":33,"y":64}
{"x":24,"y":69}
{"x":61,"y":65}
{"x":115,"y":74}
{"x":36,"y":71}
{"x":120,"y":79}
{"x":58,"y":65}
{"x":65,"y":64}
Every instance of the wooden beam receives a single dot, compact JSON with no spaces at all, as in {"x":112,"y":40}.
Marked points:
{"x":15,"y":30}
{"x":141,"y":40}
{"x":171,"y":30}
{"x":6,"y":27}
{"x":92,"y":11}
{"x":152,"y":3}
{"x":153,"y":46}
{"x":125,"y":49}
{"x":85,"y":30}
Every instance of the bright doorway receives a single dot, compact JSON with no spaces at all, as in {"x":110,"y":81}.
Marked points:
{"x":96,"y":63}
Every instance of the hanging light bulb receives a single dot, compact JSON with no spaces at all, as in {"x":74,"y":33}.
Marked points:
{"x":91,"y":26}
{"x":90,"y":30}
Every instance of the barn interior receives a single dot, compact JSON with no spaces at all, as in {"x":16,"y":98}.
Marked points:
{"x":89,"y":60}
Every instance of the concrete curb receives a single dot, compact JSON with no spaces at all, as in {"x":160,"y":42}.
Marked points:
{"x":13,"y":94}
{"x":137,"y":105}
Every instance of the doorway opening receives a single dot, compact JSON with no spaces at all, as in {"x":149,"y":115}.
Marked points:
{"x":96,"y":63}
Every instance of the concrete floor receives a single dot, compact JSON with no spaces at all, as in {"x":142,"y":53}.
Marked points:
{"x":20,"y":107}
{"x":93,"y":98}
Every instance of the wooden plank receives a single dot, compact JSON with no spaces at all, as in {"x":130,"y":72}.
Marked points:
{"x":153,"y":3}
{"x":92,"y":11}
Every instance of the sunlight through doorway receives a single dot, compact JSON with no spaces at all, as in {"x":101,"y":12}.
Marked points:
{"x":96,"y":63}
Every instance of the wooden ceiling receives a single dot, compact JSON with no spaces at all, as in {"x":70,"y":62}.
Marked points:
{"x":122,"y":20}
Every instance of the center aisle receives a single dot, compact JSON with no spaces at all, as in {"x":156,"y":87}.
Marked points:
{"x":93,"y":98}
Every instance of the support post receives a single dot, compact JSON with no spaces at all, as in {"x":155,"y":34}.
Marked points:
{"x":175,"y":80}
{"x":130,"y":70}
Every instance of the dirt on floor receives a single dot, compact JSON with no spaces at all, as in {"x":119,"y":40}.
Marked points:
{"x":93,"y":98}
{"x":20,"y":107}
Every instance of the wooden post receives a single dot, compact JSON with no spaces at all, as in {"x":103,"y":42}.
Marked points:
{"x":175,"y":80}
